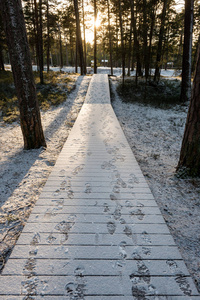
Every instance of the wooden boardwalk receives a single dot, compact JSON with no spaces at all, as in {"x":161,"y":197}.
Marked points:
{"x":96,"y":232}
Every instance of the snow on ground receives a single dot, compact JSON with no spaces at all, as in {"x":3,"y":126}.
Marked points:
{"x":24,"y":173}
{"x":155,"y":136}
{"x":106,"y":70}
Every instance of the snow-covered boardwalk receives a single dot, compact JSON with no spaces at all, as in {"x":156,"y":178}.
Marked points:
{"x":96,"y":232}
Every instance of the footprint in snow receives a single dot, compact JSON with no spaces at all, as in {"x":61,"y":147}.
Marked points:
{"x":111,"y":226}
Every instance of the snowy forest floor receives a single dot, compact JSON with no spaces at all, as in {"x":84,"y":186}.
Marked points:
{"x":154,"y":135}
{"x":24,"y":173}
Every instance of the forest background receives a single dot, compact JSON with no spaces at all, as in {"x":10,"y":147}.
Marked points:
{"x":120,"y":30}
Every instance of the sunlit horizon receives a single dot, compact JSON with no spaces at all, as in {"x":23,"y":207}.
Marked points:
{"x":89,"y":32}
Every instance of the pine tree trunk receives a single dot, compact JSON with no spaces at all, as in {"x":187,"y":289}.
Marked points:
{"x":190,"y":150}
{"x":34,"y":33}
{"x":159,"y":50}
{"x":117,"y":40}
{"x":61,"y":54}
{"x":136,"y":43}
{"x":36,"y":30}
{"x":167,"y":49}
{"x":48,"y":38}
{"x":110,"y":39}
{"x":78,"y":37}
{"x":122,"y":41}
{"x":145,"y":39}
{"x":84,"y":42}
{"x":1,"y":60}
{"x":40,"y":40}
{"x":17,"y":42}
{"x":130,"y":46}
{"x":71,"y":50}
{"x":67,"y":60}
{"x":60,"y":47}
{"x":95,"y":38}
{"x":76,"y":58}
{"x":187,"y":52}
{"x":51,"y":58}
{"x":195,"y":55}
{"x":153,"y":16}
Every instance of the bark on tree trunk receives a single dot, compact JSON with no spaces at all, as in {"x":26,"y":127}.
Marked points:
{"x":187,"y":52}
{"x":95,"y":38}
{"x":122,"y":41}
{"x":48,"y":38}
{"x":153,"y":16}
{"x":78,"y":37}
{"x":15,"y":30}
{"x":130,"y":46}
{"x":110,"y":39}
{"x":145,"y":39}
{"x":117,"y":40}
{"x":159,"y":50}
{"x":167,"y":49}
{"x":1,"y":60}
{"x":76,"y":58}
{"x":60,"y":46}
{"x":84,"y":42}
{"x":71,"y":50}
{"x":190,"y":150}
{"x":180,"y":51}
{"x":67,"y":60}
{"x":40,"y":39}
{"x":136,"y":43}
{"x":195,"y":55}
{"x":36,"y":30}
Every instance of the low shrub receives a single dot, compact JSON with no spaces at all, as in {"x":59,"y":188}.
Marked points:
{"x":164,"y":94}
{"x":52,"y":92}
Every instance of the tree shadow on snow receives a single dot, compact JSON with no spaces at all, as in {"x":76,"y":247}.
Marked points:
{"x":16,"y":168}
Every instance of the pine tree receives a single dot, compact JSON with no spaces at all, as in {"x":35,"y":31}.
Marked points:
{"x":78,"y":37}
{"x":190,"y":150}
{"x":84,"y":42}
{"x":2,"y":43}
{"x":95,"y":37}
{"x":40,"y":43}
{"x":110,"y":38}
{"x":122,"y":39}
{"x":187,"y":52}
{"x":69,"y":30}
{"x":60,"y":46}
{"x":136,"y":41}
{"x":160,"y":42}
{"x":48,"y":35}
{"x":14,"y":24}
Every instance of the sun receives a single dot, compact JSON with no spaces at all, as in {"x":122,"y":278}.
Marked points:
{"x":98,"y":21}
{"x":89,"y":32}
{"x":179,"y":5}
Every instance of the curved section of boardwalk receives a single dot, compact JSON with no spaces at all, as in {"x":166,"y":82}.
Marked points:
{"x":96,"y":232}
